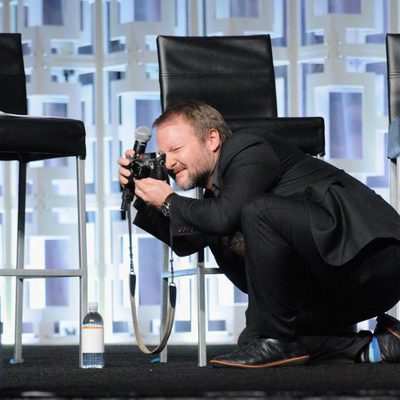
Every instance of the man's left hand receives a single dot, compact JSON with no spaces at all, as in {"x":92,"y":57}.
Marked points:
{"x":152,"y":191}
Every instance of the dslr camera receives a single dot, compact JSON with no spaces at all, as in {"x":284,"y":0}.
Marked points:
{"x":148,"y":165}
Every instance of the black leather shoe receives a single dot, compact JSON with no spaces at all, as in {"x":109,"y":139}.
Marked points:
{"x":264,"y":353}
{"x":247,"y":336}
{"x":387,"y":332}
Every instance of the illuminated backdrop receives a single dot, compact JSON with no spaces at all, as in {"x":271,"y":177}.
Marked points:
{"x":96,"y":60}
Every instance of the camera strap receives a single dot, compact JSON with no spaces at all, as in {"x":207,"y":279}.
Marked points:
{"x":169,"y":319}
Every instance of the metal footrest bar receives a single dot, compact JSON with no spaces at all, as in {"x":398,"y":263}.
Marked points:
{"x":190,"y":271}
{"x":40,"y":273}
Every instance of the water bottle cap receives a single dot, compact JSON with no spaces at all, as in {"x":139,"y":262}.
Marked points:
{"x":93,"y":306}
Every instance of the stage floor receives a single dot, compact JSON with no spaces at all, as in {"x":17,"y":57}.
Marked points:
{"x":53,"y":372}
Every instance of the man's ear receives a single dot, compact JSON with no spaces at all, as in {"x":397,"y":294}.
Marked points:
{"x":213,"y":139}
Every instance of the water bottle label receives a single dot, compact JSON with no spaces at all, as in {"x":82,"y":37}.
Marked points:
{"x":92,"y":339}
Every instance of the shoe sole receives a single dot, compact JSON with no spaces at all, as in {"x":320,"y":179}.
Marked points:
{"x":292,"y":361}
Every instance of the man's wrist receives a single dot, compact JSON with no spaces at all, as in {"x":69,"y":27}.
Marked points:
{"x":166,"y":206}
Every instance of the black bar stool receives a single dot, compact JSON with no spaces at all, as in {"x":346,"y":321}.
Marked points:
{"x":25,"y":139}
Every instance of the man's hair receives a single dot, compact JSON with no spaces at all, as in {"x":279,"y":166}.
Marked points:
{"x":200,"y":116}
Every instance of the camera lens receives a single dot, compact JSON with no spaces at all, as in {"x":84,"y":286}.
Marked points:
{"x":136,"y":168}
{"x":140,"y":169}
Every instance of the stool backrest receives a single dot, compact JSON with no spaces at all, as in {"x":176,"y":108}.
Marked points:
{"x":234,"y":74}
{"x":12,"y":75}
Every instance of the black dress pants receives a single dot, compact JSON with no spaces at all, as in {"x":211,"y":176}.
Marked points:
{"x":292,"y":291}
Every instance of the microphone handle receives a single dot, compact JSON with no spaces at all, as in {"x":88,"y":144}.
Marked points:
{"x":139,"y":147}
{"x":128,"y":192}
{"x":127,"y":197}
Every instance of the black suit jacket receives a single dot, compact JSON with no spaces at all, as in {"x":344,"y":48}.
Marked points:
{"x":345,"y":214}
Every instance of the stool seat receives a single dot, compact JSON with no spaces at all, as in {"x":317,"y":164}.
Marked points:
{"x":31,"y":138}
{"x":307,"y":133}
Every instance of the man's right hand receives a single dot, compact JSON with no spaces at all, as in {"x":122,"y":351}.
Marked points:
{"x":123,"y":172}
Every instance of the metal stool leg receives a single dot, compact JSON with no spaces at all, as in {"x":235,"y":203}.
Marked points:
{"x":18,"y":322}
{"x":82,"y":244}
{"x":395,"y":203}
{"x":201,"y":311}
{"x":164,"y":303}
{"x":19,"y":293}
{"x":394,"y":186}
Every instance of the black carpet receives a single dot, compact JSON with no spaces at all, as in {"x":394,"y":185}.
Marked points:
{"x":52,"y":372}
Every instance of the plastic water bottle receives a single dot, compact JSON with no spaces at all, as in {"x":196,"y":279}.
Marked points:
{"x":92,"y":339}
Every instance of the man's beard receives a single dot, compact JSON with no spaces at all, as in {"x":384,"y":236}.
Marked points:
{"x":197,"y":179}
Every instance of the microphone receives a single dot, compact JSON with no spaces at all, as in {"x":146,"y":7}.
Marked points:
{"x":142,"y":136}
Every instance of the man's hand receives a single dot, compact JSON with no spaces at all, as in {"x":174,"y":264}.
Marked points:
{"x":152,"y":191}
{"x":123,"y":172}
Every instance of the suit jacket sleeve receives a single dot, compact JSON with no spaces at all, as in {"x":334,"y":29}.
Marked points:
{"x":152,"y":221}
{"x":248,"y":166}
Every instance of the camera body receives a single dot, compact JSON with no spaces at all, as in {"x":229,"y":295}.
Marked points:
{"x":148,"y":165}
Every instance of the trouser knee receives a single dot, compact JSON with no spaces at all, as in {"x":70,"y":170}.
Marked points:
{"x":258,"y":209}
